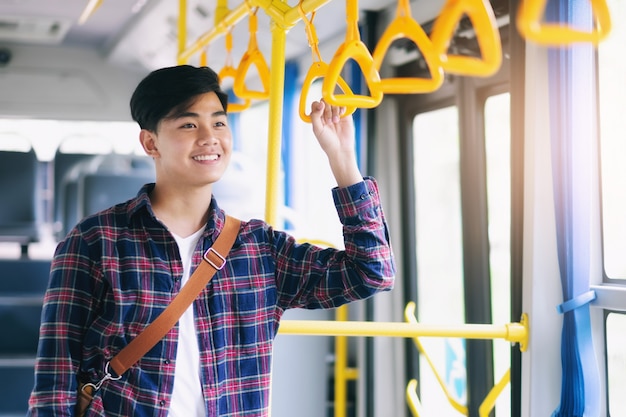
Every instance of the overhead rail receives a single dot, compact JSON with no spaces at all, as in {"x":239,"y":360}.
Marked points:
{"x":404,"y":26}
{"x":483,"y":19}
{"x":531,"y":25}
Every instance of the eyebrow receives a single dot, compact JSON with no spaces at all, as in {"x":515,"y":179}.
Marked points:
{"x":196,"y":115}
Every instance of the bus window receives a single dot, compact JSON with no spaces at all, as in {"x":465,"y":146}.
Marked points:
{"x":439,"y":250}
{"x":612,"y":85}
{"x":612,"y":101}
{"x":498,"y":152}
{"x":616,"y":362}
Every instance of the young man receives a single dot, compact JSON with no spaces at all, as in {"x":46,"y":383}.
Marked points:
{"x":118,"y":269}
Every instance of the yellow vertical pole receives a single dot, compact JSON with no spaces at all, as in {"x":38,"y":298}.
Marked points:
{"x":341,"y":364}
{"x":277,"y":88}
{"x":182,"y":29}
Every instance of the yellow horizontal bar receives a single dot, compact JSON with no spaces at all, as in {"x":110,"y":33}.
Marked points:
{"x":280,"y":13}
{"x":512,"y":332}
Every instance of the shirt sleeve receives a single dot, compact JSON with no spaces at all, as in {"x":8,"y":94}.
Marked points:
{"x":312,"y":277}
{"x":68,"y":305}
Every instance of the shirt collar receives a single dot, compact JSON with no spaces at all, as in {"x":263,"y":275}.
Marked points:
{"x":215,"y":221}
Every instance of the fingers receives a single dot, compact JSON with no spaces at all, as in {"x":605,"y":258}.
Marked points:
{"x":330,"y":114}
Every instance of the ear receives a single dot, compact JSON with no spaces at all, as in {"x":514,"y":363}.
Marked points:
{"x":148,"y":142}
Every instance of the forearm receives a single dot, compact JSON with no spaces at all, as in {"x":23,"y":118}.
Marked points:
{"x":345,"y":169}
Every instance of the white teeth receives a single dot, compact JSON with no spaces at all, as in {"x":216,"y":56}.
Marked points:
{"x":206,"y":157}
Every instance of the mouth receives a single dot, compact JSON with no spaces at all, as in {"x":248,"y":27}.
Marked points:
{"x":211,"y":157}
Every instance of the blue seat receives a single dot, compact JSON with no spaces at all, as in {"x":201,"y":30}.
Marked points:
{"x":21,"y":208}
{"x":23,"y":283}
{"x":64,"y":164}
{"x":16,"y":384}
{"x":101,"y":182}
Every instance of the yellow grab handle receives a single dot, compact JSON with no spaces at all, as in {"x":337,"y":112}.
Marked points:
{"x":413,"y":400}
{"x":406,"y":27}
{"x":409,"y":316}
{"x":354,"y":49}
{"x":252,"y":57}
{"x":226,"y":72}
{"x":481,"y":15}
{"x":490,"y":400}
{"x":319,"y":70}
{"x":530,"y":26}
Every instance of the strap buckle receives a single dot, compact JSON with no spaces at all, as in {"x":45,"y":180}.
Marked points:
{"x":107,"y":376}
{"x":213,"y":264}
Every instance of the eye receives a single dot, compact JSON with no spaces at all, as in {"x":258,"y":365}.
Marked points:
{"x":188,"y":125}
{"x":220,"y":124}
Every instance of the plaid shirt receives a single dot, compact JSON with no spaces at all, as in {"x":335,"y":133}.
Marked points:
{"x":119,"y":269}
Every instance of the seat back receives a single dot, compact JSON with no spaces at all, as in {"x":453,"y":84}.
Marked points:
{"x":21,"y":202}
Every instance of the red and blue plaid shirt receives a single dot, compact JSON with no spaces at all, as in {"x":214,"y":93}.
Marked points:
{"x":119,"y":269}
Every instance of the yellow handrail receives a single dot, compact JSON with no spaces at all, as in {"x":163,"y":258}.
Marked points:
{"x":89,"y":10}
{"x":404,"y":26}
{"x":182,"y":30}
{"x":530,"y":25}
{"x":252,"y":56}
{"x":481,"y":15}
{"x":409,"y":316}
{"x":490,"y":401}
{"x":511,"y":332}
{"x":352,"y":48}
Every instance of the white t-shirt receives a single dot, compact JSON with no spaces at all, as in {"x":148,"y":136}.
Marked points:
{"x":187,"y":397}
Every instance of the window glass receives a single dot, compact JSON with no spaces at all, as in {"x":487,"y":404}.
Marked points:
{"x":47,"y":136}
{"x":616,"y":363}
{"x":439,"y":252}
{"x":498,"y":152}
{"x":612,"y":84}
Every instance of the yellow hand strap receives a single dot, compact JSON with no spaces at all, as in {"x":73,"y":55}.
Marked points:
{"x":317,"y":70}
{"x":252,"y":57}
{"x":530,"y":26}
{"x":404,"y":26}
{"x":231,"y":72}
{"x":481,"y":15}
{"x":352,"y":48}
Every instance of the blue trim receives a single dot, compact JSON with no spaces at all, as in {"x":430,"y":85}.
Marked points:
{"x":290,"y":101}
{"x":233,"y":122}
{"x":572,"y":118}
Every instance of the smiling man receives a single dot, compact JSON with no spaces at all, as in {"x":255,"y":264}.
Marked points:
{"x":117,"y":270}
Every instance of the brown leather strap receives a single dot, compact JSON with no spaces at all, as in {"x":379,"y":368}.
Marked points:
{"x":214,"y":259}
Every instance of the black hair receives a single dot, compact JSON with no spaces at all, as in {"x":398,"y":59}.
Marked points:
{"x":167,"y":89}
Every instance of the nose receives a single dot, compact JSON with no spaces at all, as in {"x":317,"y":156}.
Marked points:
{"x":207,"y":137}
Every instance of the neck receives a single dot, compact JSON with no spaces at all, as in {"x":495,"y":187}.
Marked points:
{"x":183,"y":211}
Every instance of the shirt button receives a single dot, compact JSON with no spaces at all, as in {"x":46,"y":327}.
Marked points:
{"x":166,"y":361}
{"x":363,"y":196}
{"x":162,"y":402}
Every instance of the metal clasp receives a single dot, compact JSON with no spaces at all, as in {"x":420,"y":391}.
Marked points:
{"x":107,"y":376}
{"x":206,"y":258}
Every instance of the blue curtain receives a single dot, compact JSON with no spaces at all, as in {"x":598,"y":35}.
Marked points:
{"x":573,"y":135}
